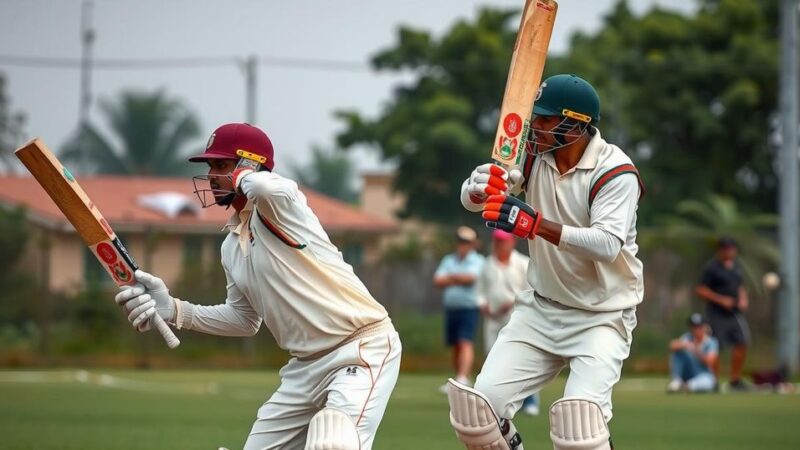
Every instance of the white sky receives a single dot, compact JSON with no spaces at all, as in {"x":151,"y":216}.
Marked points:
{"x":294,"y":105}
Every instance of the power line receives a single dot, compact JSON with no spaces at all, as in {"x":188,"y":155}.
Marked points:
{"x":180,"y":63}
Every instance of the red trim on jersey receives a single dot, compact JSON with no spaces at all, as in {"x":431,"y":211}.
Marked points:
{"x":612,"y":173}
{"x":280,"y":234}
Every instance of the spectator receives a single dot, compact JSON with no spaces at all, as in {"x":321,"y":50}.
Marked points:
{"x":503,"y":277}
{"x":722,"y":289}
{"x":692,"y":357}
{"x":457,"y":275}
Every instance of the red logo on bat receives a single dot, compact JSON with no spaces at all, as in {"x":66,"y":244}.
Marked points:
{"x":106,"y":253}
{"x":512,"y":124}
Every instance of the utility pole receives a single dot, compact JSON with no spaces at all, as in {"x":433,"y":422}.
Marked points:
{"x":251,"y":88}
{"x":85,"y":101}
{"x":789,"y":203}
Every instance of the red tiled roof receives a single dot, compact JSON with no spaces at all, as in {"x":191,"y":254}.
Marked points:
{"x":117,"y":199}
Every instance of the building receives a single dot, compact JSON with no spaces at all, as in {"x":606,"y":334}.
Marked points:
{"x":162,"y":225}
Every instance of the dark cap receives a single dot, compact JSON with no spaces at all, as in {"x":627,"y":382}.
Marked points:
{"x":227,"y":139}
{"x":726,"y":242}
{"x":696,"y":320}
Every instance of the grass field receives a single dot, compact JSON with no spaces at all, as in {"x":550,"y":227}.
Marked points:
{"x":70,"y":409}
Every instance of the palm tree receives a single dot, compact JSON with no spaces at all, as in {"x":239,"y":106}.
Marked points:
{"x":330,"y":172}
{"x":696,"y":226}
{"x":152,"y":130}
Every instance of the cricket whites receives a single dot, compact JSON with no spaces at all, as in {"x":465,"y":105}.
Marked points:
{"x":78,"y":208}
{"x":524,"y":77}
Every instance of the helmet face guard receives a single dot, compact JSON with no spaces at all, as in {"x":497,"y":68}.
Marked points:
{"x":561,"y":133}
{"x":208,"y":192}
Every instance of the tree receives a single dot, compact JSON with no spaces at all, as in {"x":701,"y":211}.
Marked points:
{"x":440,"y":125}
{"x":153,"y":131}
{"x":11,"y":129}
{"x":688,"y":97}
{"x":329,"y":172}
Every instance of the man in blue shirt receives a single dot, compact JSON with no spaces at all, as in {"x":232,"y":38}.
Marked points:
{"x":693,"y":355}
{"x":456,"y":275}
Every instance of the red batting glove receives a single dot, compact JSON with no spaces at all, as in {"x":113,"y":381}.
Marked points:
{"x":511,"y":215}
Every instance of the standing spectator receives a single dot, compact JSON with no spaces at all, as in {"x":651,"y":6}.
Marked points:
{"x":457,"y":275}
{"x":692,"y":357}
{"x":503,"y":277}
{"x":726,"y":298}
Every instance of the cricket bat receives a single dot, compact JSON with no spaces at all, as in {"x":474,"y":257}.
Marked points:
{"x":524,"y":77}
{"x":78,"y":208}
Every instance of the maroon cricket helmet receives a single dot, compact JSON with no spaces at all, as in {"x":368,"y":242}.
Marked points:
{"x":227,"y":139}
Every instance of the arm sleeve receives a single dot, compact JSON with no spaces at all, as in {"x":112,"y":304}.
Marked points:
{"x":612,"y":213}
{"x":235,"y":317}
{"x":443,"y":267}
{"x":279,"y":201}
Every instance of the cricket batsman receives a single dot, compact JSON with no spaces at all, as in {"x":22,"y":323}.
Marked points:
{"x":282,"y":270}
{"x":579,"y":217}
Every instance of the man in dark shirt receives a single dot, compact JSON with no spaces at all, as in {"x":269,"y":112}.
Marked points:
{"x":722,"y":288}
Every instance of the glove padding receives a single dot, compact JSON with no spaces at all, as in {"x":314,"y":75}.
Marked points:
{"x":147,"y":297}
{"x":511,"y":215}
{"x":491,"y":179}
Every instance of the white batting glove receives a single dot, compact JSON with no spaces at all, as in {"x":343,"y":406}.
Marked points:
{"x":165,"y":304}
{"x":138,"y":305}
{"x":491,"y":179}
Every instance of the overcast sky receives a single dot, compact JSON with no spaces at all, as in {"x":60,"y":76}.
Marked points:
{"x":294,"y":105}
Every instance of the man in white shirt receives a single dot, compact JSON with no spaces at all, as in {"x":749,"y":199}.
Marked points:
{"x":579,"y":218}
{"x":502,"y":278}
{"x":283,"y":270}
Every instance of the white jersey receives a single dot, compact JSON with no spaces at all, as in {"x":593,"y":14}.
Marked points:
{"x":601,"y":192}
{"x":499,"y":283}
{"x":282,"y":268}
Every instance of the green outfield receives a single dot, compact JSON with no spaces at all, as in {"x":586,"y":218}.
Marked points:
{"x":98,"y":409}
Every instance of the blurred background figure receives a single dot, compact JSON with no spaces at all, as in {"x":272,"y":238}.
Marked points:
{"x":503,"y":276}
{"x":722,"y":288}
{"x":692,"y":358}
{"x":457,"y":275}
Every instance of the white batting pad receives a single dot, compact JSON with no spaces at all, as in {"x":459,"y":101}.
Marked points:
{"x":578,"y":424}
{"x":332,"y":429}
{"x":476,"y":424}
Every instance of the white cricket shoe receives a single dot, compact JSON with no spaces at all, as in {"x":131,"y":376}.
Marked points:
{"x":675,"y":385}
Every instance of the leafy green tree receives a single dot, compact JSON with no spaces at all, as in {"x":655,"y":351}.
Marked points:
{"x":152,"y":129}
{"x":441,"y":124}
{"x":690,"y":98}
{"x":329,"y":172}
{"x":11,"y":129}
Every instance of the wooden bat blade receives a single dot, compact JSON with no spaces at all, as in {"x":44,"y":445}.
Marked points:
{"x":81,"y":212}
{"x":524,"y":78}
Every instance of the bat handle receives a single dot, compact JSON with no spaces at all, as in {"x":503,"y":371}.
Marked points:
{"x":166,"y":331}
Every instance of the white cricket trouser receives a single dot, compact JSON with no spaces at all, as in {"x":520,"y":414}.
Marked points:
{"x":491,"y":328}
{"x":357,"y":378}
{"x":542,"y":338}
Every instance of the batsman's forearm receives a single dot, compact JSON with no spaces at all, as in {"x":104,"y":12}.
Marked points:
{"x":220,"y":320}
{"x":590,"y":242}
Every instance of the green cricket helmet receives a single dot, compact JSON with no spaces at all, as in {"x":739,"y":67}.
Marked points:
{"x":570,"y":96}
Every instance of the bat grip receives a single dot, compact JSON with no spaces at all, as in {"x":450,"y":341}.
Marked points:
{"x":166,"y":332}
